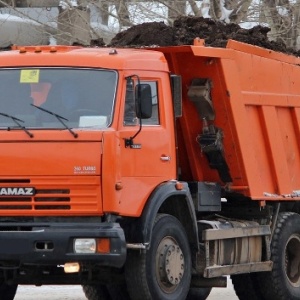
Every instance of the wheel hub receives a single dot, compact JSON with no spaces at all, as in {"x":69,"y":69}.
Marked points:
{"x":170,"y":263}
{"x":292,"y":260}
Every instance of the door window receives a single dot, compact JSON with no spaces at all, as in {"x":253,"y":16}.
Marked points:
{"x":129,"y":113}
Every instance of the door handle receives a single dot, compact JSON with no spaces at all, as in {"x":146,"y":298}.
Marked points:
{"x":165,"y":158}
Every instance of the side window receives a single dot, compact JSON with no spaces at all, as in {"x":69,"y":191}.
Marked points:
{"x":154,"y":120}
{"x":129,"y":114}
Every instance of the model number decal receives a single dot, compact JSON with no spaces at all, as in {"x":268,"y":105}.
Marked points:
{"x":84,"y":169}
{"x":17,"y":191}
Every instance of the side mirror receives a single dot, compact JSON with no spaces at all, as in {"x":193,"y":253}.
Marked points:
{"x":143,"y":101}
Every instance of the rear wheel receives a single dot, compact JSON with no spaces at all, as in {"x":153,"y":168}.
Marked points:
{"x":118,"y":292}
{"x":246,"y":287}
{"x":8,"y":292}
{"x":283,"y":282}
{"x":164,"y":271}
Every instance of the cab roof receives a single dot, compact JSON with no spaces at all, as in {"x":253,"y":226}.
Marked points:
{"x":74,"y":56}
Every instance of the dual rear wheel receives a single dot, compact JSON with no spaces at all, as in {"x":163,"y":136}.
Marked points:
{"x":283,"y":282}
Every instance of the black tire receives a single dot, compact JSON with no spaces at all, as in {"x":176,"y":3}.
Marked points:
{"x":106,"y":292}
{"x":198,"y":293}
{"x":8,"y":292}
{"x":283,"y":282}
{"x":246,"y":287}
{"x":148,"y":274}
{"x":118,"y":292}
{"x":96,"y":292}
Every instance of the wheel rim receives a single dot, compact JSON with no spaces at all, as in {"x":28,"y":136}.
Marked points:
{"x":169,"y":264}
{"x":292,"y":260}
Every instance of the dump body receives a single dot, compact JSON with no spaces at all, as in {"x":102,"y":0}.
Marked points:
{"x":256,"y":97}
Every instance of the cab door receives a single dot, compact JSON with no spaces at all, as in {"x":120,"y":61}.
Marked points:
{"x":150,"y":160}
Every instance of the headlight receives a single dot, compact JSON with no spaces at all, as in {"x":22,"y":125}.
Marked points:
{"x":85,"y":246}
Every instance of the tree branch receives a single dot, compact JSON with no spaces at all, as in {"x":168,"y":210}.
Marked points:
{"x":240,"y":11}
{"x":195,"y":9}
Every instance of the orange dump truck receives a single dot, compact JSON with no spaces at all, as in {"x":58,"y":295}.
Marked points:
{"x":150,"y":174}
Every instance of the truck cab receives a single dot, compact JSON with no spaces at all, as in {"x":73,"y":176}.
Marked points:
{"x":76,"y":157}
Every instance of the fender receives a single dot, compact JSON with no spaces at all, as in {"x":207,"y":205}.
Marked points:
{"x":159,"y":197}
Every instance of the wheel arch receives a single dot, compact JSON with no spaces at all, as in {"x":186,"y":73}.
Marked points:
{"x":168,"y":200}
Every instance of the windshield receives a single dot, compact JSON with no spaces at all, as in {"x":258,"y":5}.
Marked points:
{"x":43,"y":97}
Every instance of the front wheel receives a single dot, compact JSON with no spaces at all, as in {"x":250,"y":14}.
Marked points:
{"x":105,"y":292}
{"x":164,"y":271}
{"x":8,"y":292}
{"x":198,"y":293}
{"x":96,"y":292}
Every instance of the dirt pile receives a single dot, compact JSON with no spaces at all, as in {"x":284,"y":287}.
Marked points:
{"x":146,"y":34}
{"x":186,"y":29}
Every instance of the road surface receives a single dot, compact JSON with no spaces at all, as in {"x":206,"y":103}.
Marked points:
{"x":70,"y":292}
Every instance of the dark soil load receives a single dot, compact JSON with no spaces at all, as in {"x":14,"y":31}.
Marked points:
{"x":186,"y":29}
{"x":146,"y":34}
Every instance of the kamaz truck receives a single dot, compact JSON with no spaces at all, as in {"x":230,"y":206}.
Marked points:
{"x":150,"y":173}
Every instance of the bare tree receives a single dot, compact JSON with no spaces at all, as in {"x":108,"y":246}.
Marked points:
{"x":282,"y":16}
{"x":240,"y":9}
{"x":175,"y":8}
{"x":80,"y":21}
{"x":195,"y":8}
{"x":73,"y":24}
{"x":123,"y":13}
{"x":216,"y":9}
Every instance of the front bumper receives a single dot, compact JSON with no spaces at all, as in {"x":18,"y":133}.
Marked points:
{"x":44,"y":244}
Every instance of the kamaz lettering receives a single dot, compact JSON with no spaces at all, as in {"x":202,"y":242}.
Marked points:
{"x":16,"y":191}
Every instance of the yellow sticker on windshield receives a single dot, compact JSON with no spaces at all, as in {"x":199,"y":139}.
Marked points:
{"x":30,"y":76}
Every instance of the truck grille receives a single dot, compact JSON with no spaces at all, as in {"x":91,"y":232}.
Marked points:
{"x":43,"y":200}
{"x":55,"y":194}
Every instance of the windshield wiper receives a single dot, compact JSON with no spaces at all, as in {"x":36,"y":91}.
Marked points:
{"x":17,"y":121}
{"x":59,"y":118}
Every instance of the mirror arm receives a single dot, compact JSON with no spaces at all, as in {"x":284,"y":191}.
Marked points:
{"x":129,"y":142}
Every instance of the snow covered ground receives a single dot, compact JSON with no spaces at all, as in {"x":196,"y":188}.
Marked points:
{"x":71,"y":292}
